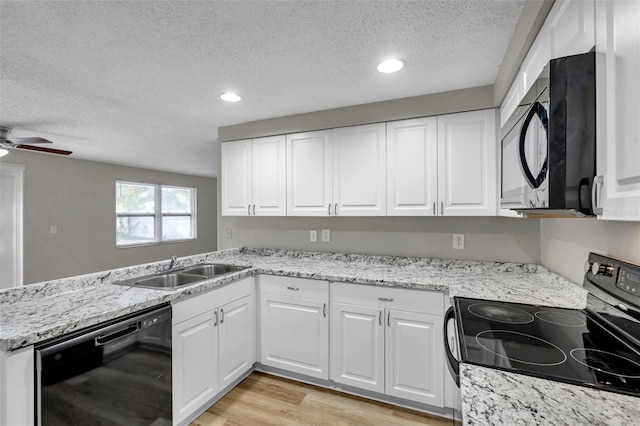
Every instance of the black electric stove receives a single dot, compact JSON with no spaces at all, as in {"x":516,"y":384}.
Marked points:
{"x":597,"y":347}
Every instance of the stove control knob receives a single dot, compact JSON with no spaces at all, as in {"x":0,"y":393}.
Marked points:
{"x":598,"y":269}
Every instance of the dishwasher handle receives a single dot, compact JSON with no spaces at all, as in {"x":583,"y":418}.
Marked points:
{"x":119,"y":334}
{"x":452,"y":362}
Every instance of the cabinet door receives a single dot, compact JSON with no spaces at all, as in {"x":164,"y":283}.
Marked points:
{"x":412,"y":167}
{"x":357,"y":346}
{"x":571,"y":27}
{"x":309,"y":174}
{"x":237,"y":335}
{"x":195,"y":364}
{"x":467,"y":163}
{"x":294,"y":335}
{"x":236,"y":178}
{"x":536,"y":59}
{"x":617,"y":110}
{"x":414,"y":362}
{"x":359,"y":170}
{"x":269,"y":176}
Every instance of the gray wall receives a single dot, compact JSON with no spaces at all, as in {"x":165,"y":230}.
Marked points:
{"x":486,"y":238}
{"x":78,"y":197}
{"x":566,"y":243}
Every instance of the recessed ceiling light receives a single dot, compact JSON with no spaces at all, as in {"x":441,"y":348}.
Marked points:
{"x":230,"y":97}
{"x":391,"y":65}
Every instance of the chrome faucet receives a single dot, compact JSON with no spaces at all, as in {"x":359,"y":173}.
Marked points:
{"x":172,"y":263}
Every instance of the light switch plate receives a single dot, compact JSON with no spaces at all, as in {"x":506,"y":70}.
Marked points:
{"x":326,"y":235}
{"x":313,"y":236}
{"x":229,"y":234}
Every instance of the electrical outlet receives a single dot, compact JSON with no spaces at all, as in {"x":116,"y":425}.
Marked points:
{"x":313,"y":236}
{"x":458,"y":241}
{"x":229,"y":235}
{"x":326,"y":235}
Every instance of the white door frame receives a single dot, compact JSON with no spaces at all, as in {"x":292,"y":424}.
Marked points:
{"x":16,"y":172}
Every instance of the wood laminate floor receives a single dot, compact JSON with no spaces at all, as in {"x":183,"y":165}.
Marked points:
{"x":262,"y":399}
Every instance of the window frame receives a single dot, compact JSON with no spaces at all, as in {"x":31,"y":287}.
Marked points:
{"x":157,"y":214}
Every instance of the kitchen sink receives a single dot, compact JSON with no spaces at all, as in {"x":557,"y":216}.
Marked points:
{"x":173,"y":279}
{"x":211,"y":270}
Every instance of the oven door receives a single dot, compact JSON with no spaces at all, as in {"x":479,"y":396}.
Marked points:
{"x":524,"y":182}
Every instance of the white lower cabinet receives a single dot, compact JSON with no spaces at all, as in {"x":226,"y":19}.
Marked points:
{"x":294,"y":325}
{"x":388,"y":341}
{"x":213,"y":345}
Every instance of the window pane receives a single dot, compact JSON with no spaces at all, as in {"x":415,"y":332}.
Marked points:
{"x":137,"y":229}
{"x":176,"y":228}
{"x":135,"y":198}
{"x":176,"y":200}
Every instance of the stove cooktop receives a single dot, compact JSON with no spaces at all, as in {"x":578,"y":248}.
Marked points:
{"x":573,"y":346}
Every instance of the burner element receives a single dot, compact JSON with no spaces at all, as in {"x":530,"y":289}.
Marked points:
{"x":561,"y":318}
{"x":606,"y":362}
{"x":521,"y":347}
{"x":500,"y":313}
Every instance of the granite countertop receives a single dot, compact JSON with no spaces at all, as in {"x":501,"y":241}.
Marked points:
{"x":39,"y":312}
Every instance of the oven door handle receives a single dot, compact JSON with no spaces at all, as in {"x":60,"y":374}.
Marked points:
{"x":452,"y":362}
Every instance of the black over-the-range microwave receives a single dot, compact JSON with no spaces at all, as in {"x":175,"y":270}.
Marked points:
{"x":549,"y":142}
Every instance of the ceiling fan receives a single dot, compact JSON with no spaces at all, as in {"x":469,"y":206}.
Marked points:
{"x":26,"y":143}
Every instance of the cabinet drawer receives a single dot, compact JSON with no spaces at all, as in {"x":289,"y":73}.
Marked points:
{"x":300,"y":288}
{"x":430,"y":302}
{"x":199,"y":303}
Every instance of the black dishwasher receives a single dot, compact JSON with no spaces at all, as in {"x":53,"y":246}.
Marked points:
{"x":117,"y":373}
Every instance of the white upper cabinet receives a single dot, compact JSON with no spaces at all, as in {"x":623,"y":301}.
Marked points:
{"x":339,"y":172}
{"x":359,"y":170}
{"x":617,"y":187}
{"x":309,"y":173}
{"x":236,"y":177}
{"x":254,"y":177}
{"x":571,"y":27}
{"x":412,"y":167}
{"x":467,"y":164}
{"x":533,"y":64}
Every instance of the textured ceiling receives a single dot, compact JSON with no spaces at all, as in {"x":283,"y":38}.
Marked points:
{"x":137,"y":82}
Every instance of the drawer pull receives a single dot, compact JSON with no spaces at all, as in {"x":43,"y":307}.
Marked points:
{"x":324,"y":310}
{"x":380,"y":317}
{"x":293,"y":288}
{"x":388,"y":319}
{"x":385,"y":299}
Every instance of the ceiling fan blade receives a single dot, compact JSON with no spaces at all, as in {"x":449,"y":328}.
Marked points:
{"x":41,"y":149}
{"x":18,"y":141}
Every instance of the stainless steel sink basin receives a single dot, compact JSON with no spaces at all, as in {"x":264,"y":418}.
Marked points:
{"x":211,"y":270}
{"x":176,"y":278}
{"x":167,"y":281}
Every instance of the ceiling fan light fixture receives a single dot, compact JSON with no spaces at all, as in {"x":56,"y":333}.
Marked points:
{"x":391,"y":65}
{"x":230,"y":97}
{"x":3,"y":152}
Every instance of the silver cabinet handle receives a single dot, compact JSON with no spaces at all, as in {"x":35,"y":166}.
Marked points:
{"x":215,"y":318}
{"x":434,"y":208}
{"x":441,"y":208}
{"x":293,"y":288}
{"x":335,"y":209}
{"x":598,"y":180}
{"x":221,"y":315}
{"x":254,"y":209}
{"x":385,"y":299}
{"x":329,"y":208}
{"x":389,"y":319}
{"x":324,"y":310}
{"x":249,"y":209}
{"x":380,"y":317}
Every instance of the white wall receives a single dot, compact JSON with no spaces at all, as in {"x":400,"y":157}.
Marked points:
{"x":566,"y":243}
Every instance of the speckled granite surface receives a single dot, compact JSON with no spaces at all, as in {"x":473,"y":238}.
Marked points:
{"x":495,"y":397}
{"x":39,"y":312}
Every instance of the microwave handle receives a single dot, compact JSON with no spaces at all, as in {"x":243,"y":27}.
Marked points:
{"x":541,"y":112}
{"x":452,"y":362}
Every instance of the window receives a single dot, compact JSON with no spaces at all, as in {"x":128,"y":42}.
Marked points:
{"x":148,"y":214}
